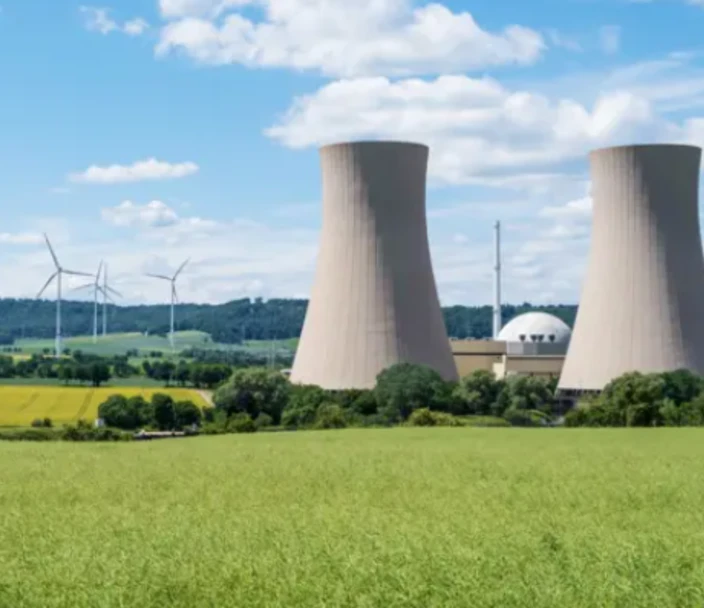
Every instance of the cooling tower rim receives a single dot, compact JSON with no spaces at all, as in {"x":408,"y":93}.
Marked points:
{"x":646,"y":146}
{"x":375,"y":142}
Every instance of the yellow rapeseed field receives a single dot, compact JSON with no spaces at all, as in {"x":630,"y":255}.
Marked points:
{"x":21,"y":404}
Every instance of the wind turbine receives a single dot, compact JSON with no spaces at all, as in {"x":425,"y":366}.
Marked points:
{"x":174,"y":295}
{"x":60,"y":271}
{"x":106,"y":291}
{"x":97,"y":289}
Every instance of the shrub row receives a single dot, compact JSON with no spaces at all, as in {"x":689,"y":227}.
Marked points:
{"x":257,"y":399}
{"x":161,"y":413}
{"x":673,"y":398}
{"x":81,"y":431}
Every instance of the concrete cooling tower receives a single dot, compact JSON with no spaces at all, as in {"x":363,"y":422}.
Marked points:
{"x":642,"y":304}
{"x":374,"y":302}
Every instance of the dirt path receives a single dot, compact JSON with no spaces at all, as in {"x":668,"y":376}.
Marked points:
{"x":207,"y":396}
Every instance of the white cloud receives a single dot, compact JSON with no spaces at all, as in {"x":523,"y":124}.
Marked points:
{"x":610,"y":39}
{"x":97,"y":19}
{"x":694,"y":131}
{"x":579,"y":208}
{"x":343,"y":38}
{"x":20,"y":238}
{"x":150,"y":169}
{"x":476,"y":128}
{"x":135,"y":27}
{"x":563,"y":41}
{"x":153,"y":214}
{"x":171,"y":9}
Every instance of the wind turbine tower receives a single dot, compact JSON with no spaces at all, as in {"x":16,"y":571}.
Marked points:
{"x":98,"y":289}
{"x":106,"y":290}
{"x":58,"y":274}
{"x":174,"y":296}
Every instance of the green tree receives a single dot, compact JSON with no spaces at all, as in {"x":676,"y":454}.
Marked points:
{"x":99,"y":373}
{"x":163,"y":408}
{"x":477,"y":393}
{"x":681,"y":386}
{"x":330,"y":416}
{"x":66,"y":373}
{"x":122,"y":413}
{"x":7,"y":367}
{"x":186,"y":413}
{"x":303,"y":404}
{"x":182,"y":373}
{"x":82,"y":373}
{"x":254,"y":391}
{"x":405,"y":387}
{"x":633,"y":399}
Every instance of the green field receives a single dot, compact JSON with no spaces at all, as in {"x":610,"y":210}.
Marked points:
{"x":114,"y":344}
{"x":370,"y":518}
{"x":117,"y":344}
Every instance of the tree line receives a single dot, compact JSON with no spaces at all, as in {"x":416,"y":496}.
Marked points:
{"x":82,"y":368}
{"x":253,"y":399}
{"x":228,"y":323}
{"x":674,"y":398}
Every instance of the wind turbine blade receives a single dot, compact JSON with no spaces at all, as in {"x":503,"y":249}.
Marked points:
{"x":178,"y":272}
{"x":86,"y":286}
{"x":173,"y":290}
{"x":107,"y":295}
{"x":97,"y":274}
{"x":78,"y":274}
{"x":51,"y":251}
{"x":51,"y":278}
{"x":117,"y":293}
{"x":158,"y":276}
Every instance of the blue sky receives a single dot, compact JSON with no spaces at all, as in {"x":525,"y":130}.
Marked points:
{"x":146,"y":131}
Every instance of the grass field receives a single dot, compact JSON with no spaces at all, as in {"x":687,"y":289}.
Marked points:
{"x":119,"y":343}
{"x":366,"y":518}
{"x":21,"y":404}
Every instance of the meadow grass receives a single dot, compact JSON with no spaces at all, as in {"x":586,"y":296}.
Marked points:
{"x":120,"y":343}
{"x":370,"y":518}
{"x":21,"y":404}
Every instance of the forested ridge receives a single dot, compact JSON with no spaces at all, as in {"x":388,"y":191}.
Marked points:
{"x":228,"y":323}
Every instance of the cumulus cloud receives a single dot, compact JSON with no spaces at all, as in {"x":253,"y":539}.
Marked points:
{"x":150,"y":169}
{"x":563,"y":41}
{"x":579,"y":208}
{"x":476,"y":128}
{"x":342,"y":38}
{"x":135,"y":27}
{"x":153,"y":214}
{"x":171,"y":9}
{"x":20,"y":238}
{"x":97,"y":19}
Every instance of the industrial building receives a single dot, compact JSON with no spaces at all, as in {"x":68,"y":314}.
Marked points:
{"x":532,"y":344}
{"x":374,"y":301}
{"x":643,"y":294}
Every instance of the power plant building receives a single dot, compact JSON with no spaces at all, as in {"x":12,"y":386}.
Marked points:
{"x":642,"y":300}
{"x":531,"y":344}
{"x":374,"y":301}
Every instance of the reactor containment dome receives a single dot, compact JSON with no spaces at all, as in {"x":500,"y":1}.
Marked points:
{"x":374,"y":301}
{"x":643,"y":294}
{"x":535,"y":327}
